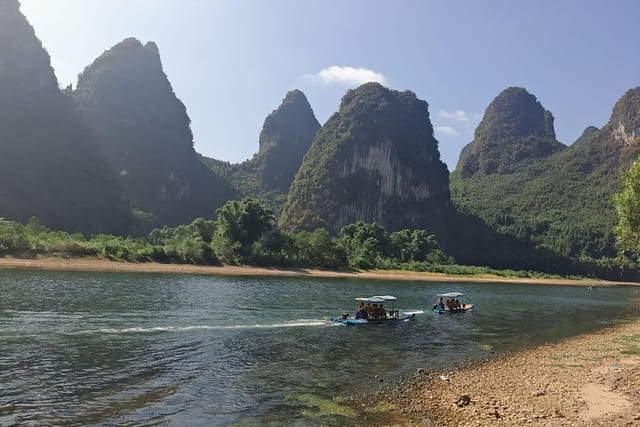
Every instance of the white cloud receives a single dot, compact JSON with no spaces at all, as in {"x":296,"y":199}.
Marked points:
{"x":348,"y":76}
{"x":459,"y":116}
{"x":456,"y":122}
{"x":446,"y":130}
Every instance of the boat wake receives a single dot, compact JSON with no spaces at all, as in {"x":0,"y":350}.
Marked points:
{"x":413,"y":312}
{"x":164,"y":329}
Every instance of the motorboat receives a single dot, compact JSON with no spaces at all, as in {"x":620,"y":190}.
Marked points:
{"x":450,"y":302}
{"x":372,"y":310}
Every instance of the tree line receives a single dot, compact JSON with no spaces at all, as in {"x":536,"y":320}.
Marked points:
{"x":244,"y":232}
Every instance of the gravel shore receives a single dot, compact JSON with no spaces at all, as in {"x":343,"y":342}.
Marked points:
{"x":589,"y":380}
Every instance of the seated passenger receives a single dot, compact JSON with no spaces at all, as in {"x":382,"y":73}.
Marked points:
{"x":383,"y":312}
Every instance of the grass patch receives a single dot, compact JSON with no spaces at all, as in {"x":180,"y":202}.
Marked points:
{"x":630,"y":344}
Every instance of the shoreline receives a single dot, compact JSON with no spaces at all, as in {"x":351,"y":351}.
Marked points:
{"x":103,"y":265}
{"x":591,"y":379}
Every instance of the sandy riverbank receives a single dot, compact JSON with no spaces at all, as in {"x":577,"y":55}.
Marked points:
{"x":102,"y":265}
{"x":589,"y":380}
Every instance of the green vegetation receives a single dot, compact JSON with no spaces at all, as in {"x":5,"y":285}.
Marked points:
{"x":560,"y":207}
{"x":370,"y":246}
{"x":244,"y":233}
{"x":627,"y":204}
{"x":245,"y":179}
{"x":631,"y":344}
{"x":240,"y":226}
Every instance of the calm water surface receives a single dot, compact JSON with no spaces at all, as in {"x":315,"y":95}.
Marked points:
{"x":118,"y":349}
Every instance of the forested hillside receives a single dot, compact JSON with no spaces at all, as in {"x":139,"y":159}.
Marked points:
{"x":375,"y":160}
{"x":144,"y":131}
{"x":50,"y":164}
{"x":561,"y":202}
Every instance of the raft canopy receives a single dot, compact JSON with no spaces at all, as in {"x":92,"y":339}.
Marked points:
{"x":376,"y":299}
{"x":451,"y":295}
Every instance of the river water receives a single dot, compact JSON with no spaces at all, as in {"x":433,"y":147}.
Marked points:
{"x":138,"y":349}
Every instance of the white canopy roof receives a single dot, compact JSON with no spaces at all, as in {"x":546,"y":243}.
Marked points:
{"x":451,"y":295}
{"x":377,"y":299}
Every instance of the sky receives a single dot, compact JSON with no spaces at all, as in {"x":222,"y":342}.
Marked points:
{"x":231,"y":62}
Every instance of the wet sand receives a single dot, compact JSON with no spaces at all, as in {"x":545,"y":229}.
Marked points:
{"x":102,"y":265}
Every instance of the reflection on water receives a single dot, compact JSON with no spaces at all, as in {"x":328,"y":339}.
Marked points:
{"x":115,"y":349}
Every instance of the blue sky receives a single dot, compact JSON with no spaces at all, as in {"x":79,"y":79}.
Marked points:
{"x":231,"y":62}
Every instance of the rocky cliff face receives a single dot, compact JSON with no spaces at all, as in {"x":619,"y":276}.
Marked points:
{"x":284,"y":140}
{"x":144,"y":131}
{"x":514,"y":130}
{"x":50,"y":166}
{"x":613,"y":148}
{"x":625,"y":118}
{"x":375,"y":160}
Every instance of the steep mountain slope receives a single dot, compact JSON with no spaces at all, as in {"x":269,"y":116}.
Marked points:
{"x":562,"y":202}
{"x":374,"y":160}
{"x":50,"y":166}
{"x":514,"y":130}
{"x":285,"y":138}
{"x":144,"y":130}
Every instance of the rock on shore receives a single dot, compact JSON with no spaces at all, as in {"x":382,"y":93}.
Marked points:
{"x":590,"y":380}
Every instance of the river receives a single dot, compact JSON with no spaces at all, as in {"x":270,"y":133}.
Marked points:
{"x":153,"y":349}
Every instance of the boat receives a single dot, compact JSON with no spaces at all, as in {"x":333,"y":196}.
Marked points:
{"x":371,"y":310}
{"x":441,"y":305}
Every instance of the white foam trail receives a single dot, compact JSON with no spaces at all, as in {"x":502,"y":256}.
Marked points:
{"x":156,"y":329}
{"x":413,"y":312}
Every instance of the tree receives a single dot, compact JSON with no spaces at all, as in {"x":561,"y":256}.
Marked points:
{"x":365,"y":244}
{"x":627,"y":204}
{"x":318,"y":249}
{"x":239,"y":225}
